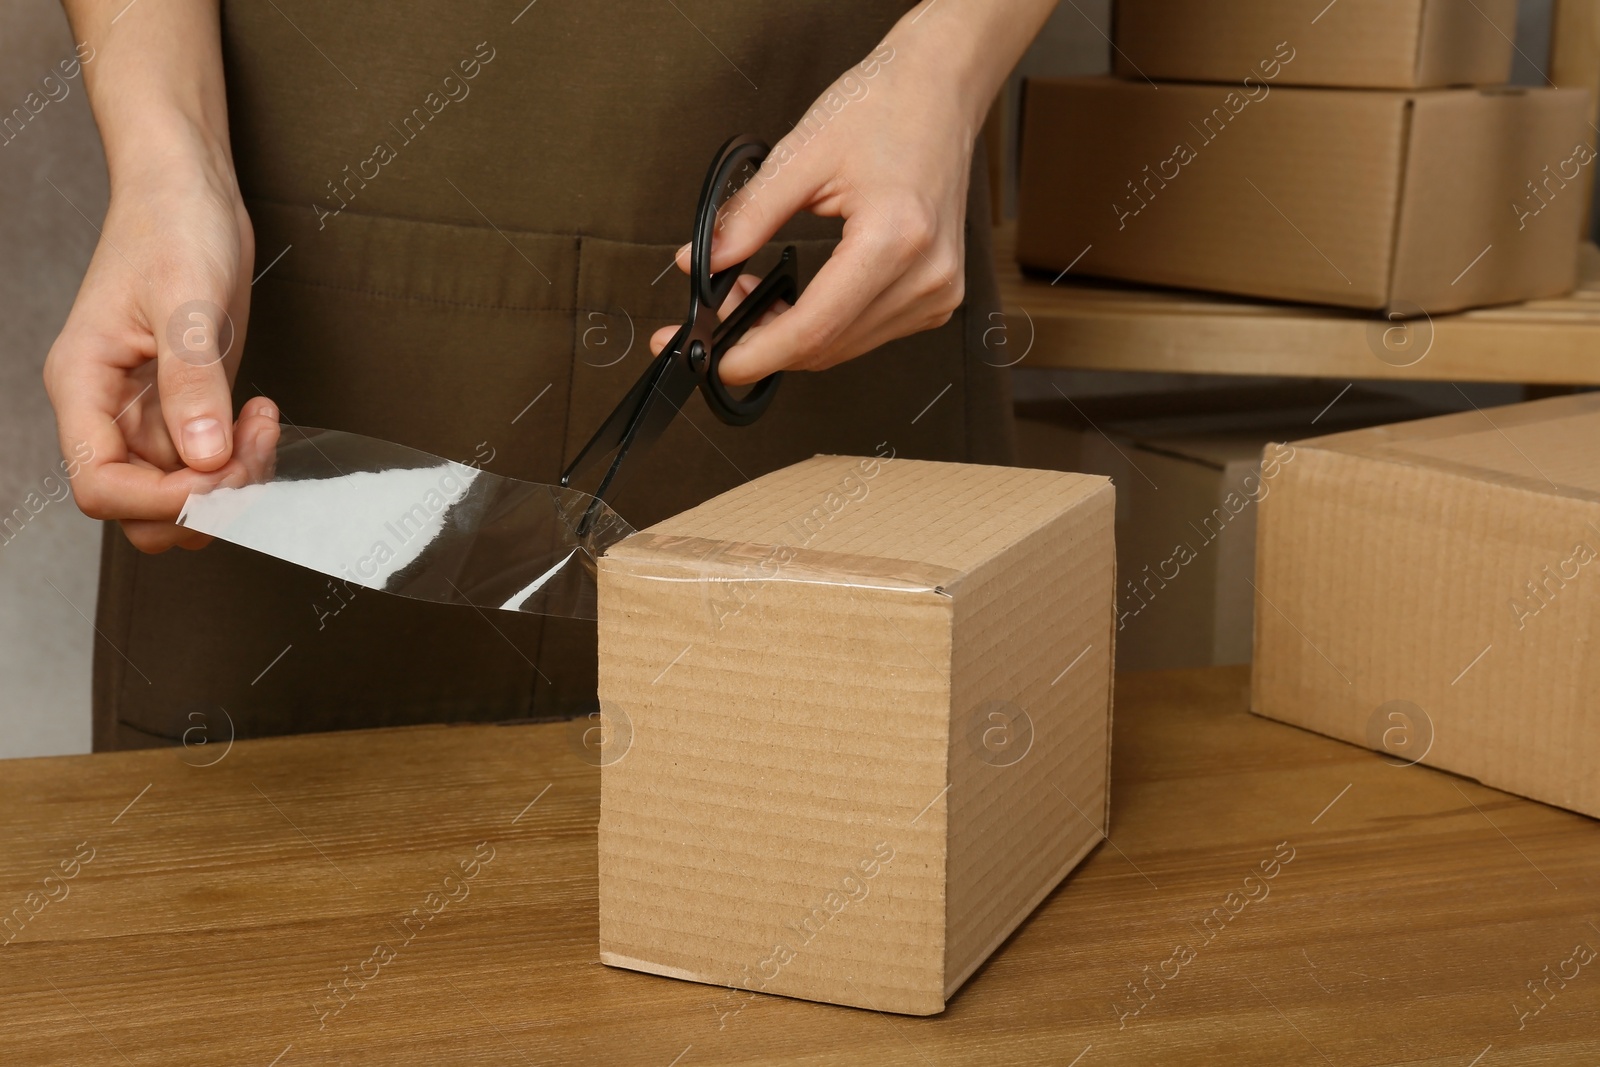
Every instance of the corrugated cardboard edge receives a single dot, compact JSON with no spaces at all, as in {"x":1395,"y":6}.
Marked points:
{"x":1398,"y":220}
{"x":1111,"y":645}
{"x":1382,"y":443}
{"x":633,"y":963}
{"x":1032,"y":904}
{"x":954,"y":984}
{"x":1067,"y":868}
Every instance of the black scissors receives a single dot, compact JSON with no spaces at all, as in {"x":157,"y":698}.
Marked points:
{"x":694,"y":355}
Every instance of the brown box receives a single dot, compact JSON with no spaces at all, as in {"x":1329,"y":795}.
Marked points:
{"x":869,"y":706}
{"x":1425,"y":201}
{"x":1374,"y":44}
{"x":1432,"y":590}
{"x":1188,"y":469}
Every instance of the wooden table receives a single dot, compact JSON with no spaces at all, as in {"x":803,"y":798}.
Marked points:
{"x":1087,"y":325}
{"x":219,"y":901}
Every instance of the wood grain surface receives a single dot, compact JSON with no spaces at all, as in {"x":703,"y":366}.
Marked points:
{"x":1089,"y":325}
{"x":215,"y":893}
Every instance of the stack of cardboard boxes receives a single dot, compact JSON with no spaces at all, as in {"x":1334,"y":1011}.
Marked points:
{"x":1424,"y":588}
{"x":1362,"y":153}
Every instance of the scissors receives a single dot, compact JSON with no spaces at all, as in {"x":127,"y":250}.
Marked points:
{"x":694,"y":355}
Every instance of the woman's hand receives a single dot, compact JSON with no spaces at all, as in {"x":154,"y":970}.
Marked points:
{"x":888,"y":148}
{"x":141,"y":374}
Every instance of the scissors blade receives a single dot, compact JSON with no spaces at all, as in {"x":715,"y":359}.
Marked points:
{"x":613,"y":433}
{"x":383,"y":516}
{"x":669,"y":393}
{"x":644,"y":413}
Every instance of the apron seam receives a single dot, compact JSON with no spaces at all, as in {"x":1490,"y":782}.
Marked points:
{"x":553,"y":234}
{"x":414,"y":298}
{"x":386,"y":217}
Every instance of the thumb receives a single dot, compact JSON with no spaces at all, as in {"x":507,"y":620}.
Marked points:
{"x":193,"y":336}
{"x":783,"y":184}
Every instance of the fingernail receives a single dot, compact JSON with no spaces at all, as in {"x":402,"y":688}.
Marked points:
{"x":203,"y":438}
{"x":269,"y":412}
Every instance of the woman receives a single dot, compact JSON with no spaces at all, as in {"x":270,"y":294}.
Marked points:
{"x":447,"y":229}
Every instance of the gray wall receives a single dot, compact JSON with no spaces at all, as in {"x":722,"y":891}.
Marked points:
{"x":48,"y":569}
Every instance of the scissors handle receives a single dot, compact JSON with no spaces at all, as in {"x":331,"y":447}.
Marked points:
{"x":708,"y":291}
{"x":781,"y":283}
{"x":693,"y":358}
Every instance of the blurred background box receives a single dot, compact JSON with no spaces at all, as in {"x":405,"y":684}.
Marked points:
{"x":1429,"y":201}
{"x":1432,"y":590}
{"x":1187,"y":467}
{"x":1375,"y":44}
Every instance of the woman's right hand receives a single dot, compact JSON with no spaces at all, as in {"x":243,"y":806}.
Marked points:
{"x":141,"y":374}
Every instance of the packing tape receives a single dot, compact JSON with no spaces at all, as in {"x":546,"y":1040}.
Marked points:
{"x":387,"y":517}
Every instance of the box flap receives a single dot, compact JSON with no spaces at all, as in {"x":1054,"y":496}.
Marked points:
{"x":868,"y":522}
{"x":1544,"y":446}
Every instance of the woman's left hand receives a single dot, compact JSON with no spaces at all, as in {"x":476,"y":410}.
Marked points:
{"x":888,"y":148}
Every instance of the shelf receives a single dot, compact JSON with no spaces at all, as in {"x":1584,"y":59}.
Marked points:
{"x":1091,"y":325}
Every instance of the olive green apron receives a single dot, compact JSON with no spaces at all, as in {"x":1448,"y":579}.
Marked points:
{"x":475,"y":210}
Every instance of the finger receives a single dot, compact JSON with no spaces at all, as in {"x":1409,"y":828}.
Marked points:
{"x":863,"y":265}
{"x":141,"y":423}
{"x":743,"y":286}
{"x":660,"y":338}
{"x":148,"y":499}
{"x":194,"y":333}
{"x":88,"y":389}
{"x":256,"y":439}
{"x":137,"y":491}
{"x":785,"y":183}
{"x":918,"y":300}
{"x":131,"y":488}
{"x":156,"y":537}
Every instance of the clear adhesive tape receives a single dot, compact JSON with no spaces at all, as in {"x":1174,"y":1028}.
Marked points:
{"x":387,"y":517}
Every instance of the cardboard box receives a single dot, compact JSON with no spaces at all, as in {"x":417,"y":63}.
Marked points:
{"x":1416,"y":202}
{"x":1431,"y":590}
{"x":1188,"y":469}
{"x":869,"y":704}
{"x":1373,"y":44}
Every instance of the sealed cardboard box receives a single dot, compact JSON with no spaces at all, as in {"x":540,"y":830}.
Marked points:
{"x":1416,"y":202}
{"x":1431,"y":590}
{"x":858,"y":726}
{"x":1189,"y":468}
{"x":1373,"y":44}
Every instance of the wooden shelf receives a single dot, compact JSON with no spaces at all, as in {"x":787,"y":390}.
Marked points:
{"x":1090,"y":325}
